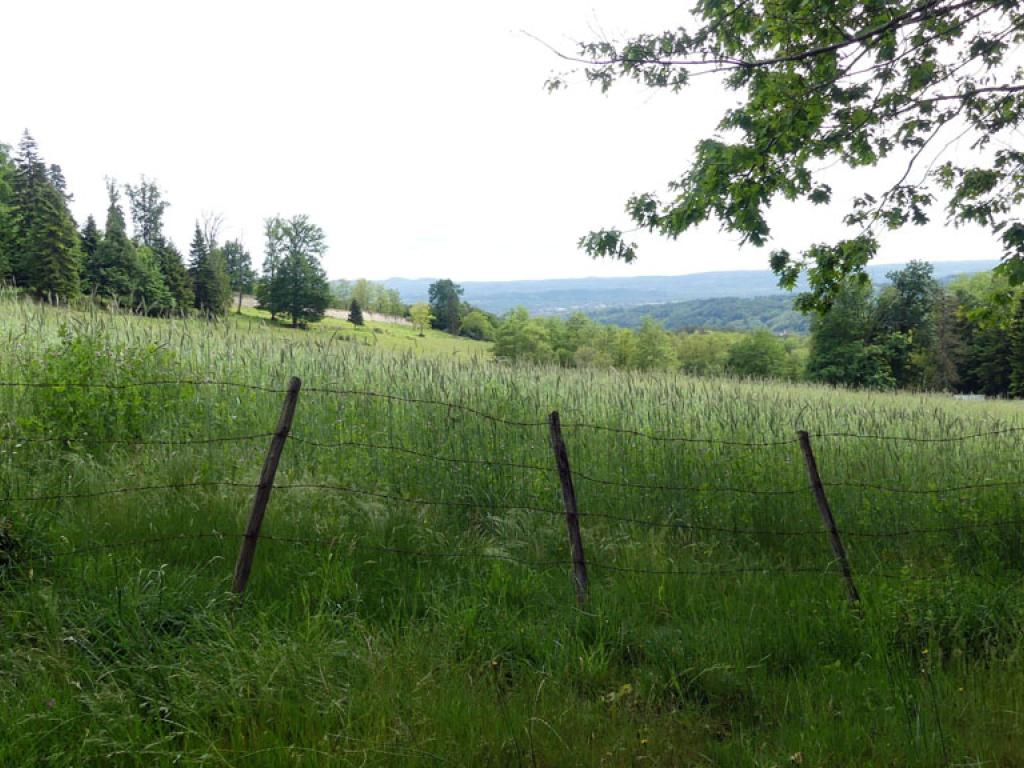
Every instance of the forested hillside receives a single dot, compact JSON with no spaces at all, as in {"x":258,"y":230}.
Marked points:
{"x":600,"y":293}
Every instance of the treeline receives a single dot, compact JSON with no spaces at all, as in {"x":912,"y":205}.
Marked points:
{"x":44,"y":252}
{"x":368,"y":295}
{"x":578,"y":341}
{"x":965,"y":337}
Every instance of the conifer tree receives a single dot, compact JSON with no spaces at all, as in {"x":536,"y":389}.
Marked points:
{"x":176,"y":276}
{"x":114,"y":271}
{"x":6,"y":224}
{"x":90,"y":238}
{"x":355,"y":313}
{"x":45,"y":243}
{"x":152,"y":295}
{"x":209,"y":275}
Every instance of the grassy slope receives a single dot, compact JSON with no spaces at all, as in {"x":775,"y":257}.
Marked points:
{"x":384,"y":336}
{"x":348,"y":655}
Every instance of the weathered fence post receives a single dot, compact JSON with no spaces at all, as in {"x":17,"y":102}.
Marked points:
{"x":572,"y":520}
{"x":259,"y":503}
{"x":826,"y":516}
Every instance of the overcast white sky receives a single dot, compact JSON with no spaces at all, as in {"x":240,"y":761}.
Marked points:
{"x":418,"y":135}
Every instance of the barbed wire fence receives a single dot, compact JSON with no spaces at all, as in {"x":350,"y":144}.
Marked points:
{"x":564,"y":477}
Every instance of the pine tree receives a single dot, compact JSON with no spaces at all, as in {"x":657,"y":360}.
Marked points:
{"x":153,"y":296}
{"x":209,"y":275}
{"x":90,"y":238}
{"x":355,"y":313}
{"x":47,"y":256}
{"x":6,"y":201}
{"x":176,"y":276}
{"x":114,"y":271}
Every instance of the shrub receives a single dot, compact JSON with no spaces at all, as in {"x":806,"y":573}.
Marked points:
{"x":75,"y":415}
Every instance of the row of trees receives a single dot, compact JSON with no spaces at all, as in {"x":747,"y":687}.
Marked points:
{"x":43,"y":252}
{"x":578,"y":341}
{"x":915,"y":333}
{"x":370,"y":296}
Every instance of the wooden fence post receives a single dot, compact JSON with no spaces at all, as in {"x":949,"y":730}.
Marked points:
{"x":572,"y":520}
{"x":826,"y":516}
{"x":259,"y":503}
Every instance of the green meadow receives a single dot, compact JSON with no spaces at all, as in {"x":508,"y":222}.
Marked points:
{"x":411,"y":600}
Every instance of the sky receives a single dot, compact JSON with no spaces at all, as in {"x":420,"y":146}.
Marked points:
{"x":418,"y":135}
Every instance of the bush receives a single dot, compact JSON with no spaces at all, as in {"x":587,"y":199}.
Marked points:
{"x":78,"y":415}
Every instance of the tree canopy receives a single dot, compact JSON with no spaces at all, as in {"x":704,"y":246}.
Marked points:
{"x":294,"y":280}
{"x":826,"y":82}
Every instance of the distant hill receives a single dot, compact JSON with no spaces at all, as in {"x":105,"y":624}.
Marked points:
{"x":592,"y":294}
{"x":774,"y":313}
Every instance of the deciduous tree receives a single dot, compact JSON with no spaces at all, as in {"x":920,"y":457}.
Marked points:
{"x":828,"y":82}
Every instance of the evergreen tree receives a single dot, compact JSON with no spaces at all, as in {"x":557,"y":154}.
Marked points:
{"x":47,"y":257}
{"x":90,"y":239}
{"x":6,"y":201}
{"x":113,"y":272}
{"x":945,"y":347}
{"x":355,"y":313}
{"x":152,"y":294}
{"x":176,"y":277}
{"x":209,"y":275}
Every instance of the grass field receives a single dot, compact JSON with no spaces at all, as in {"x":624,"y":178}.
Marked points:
{"x":717,"y":633}
{"x":393,"y":337}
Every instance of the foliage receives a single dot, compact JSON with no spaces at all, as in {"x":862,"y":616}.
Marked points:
{"x":759,"y":354}
{"x":862,"y":83}
{"x":112,"y":271}
{"x":241,"y":275}
{"x":446,"y":305}
{"x":274,"y":250}
{"x":916,"y":334}
{"x":45,"y":256}
{"x":83,"y":418}
{"x":477,"y":325}
{"x":176,"y":276}
{"x":298,"y":287}
{"x":208,"y":271}
{"x":355,"y":313}
{"x":147,"y":208}
{"x":421,"y":316}
{"x":6,"y":221}
{"x":152,"y":295}
{"x":372,"y":296}
{"x":518,"y":338}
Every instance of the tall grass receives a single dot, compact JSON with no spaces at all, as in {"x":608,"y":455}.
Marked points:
{"x":351,"y":650}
